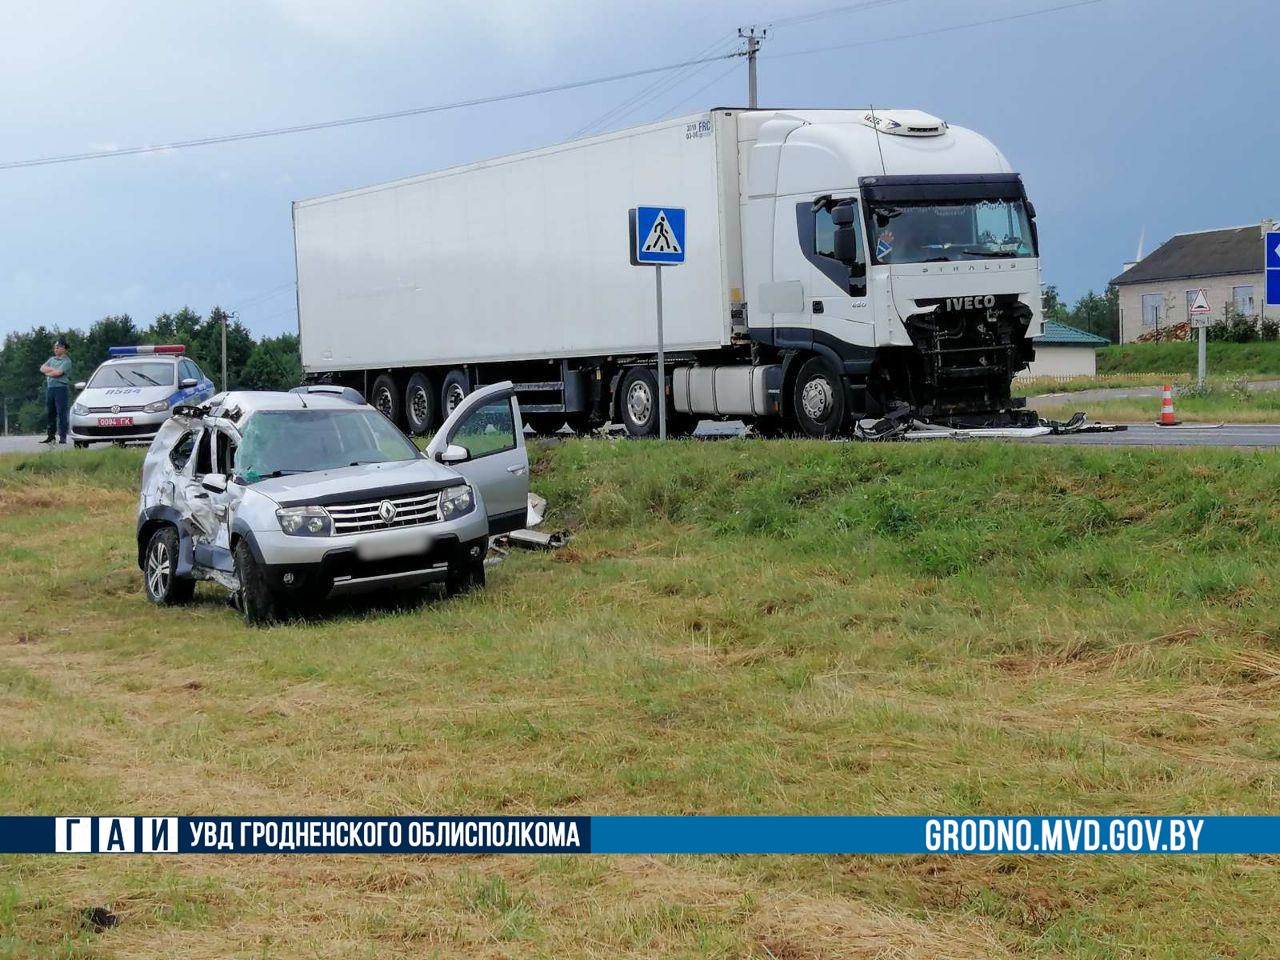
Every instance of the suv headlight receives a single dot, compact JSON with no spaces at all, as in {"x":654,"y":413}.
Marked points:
{"x":305,"y":521}
{"x":456,"y":502}
{"x":156,"y":406}
{"x":79,"y":409}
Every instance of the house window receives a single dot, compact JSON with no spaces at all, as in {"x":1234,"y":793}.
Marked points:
{"x":1242,"y":298}
{"x":1152,"y":309}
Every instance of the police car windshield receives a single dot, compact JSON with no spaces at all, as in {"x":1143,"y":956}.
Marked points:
{"x":150,"y":373}
{"x":280,"y":442}
{"x":940,"y":231}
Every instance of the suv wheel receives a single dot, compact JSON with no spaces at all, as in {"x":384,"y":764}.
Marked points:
{"x":818,"y":399}
{"x":159,"y":570}
{"x":420,"y":404}
{"x":385,"y":398}
{"x":256,"y":601}
{"x":464,"y":577}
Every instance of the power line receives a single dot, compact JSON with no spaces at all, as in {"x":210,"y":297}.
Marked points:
{"x":833,"y":11}
{"x":352,"y":121}
{"x":930,"y":33}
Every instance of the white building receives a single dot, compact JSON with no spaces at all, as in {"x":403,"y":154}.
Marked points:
{"x":1063,"y":351}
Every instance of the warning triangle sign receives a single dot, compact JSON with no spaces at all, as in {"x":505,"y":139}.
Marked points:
{"x":1200,"y":305}
{"x":662,"y":238}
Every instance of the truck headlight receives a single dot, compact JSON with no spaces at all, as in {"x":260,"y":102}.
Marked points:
{"x":79,"y":409}
{"x":157,"y":406}
{"x":305,"y":521}
{"x":456,"y":502}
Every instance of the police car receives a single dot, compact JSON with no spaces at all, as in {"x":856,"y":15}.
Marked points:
{"x":132,"y":394}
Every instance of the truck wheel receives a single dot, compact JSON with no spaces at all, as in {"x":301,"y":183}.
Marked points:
{"x":456,"y":385}
{"x":385,"y":398}
{"x":818,"y":399}
{"x":257,"y":602}
{"x":638,"y":401}
{"x":159,"y":570}
{"x":420,"y":404}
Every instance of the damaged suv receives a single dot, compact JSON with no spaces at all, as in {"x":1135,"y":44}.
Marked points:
{"x":284,"y":498}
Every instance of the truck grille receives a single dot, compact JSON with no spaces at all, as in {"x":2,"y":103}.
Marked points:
{"x":116,"y":409}
{"x":410,"y":511}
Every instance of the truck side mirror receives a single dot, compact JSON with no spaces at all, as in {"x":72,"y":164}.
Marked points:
{"x":845,"y":218}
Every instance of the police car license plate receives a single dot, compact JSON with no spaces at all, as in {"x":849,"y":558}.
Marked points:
{"x":392,"y":543}
{"x":115,"y":421}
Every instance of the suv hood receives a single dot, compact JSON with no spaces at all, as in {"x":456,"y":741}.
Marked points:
{"x":373,"y":480}
{"x":125,"y":396}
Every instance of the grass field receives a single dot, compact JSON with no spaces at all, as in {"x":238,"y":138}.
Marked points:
{"x":738,"y":627}
{"x":1257,"y":360}
{"x":1218,"y":403}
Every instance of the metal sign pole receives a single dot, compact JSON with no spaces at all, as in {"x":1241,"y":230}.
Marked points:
{"x":662,"y":364}
{"x":1201,"y":354}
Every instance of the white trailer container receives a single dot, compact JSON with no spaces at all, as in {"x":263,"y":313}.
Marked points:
{"x":528,"y":251}
{"x":417,"y":291}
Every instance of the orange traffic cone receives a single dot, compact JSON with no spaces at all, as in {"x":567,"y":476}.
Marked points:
{"x":1167,"y":416}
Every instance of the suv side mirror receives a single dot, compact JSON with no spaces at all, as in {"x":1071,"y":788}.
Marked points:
{"x":187,"y":383}
{"x":81,"y":384}
{"x":455,"y":453}
{"x":214,"y":482}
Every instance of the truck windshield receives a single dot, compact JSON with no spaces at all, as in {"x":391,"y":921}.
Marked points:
{"x":939,"y":231}
{"x":276,"y":443}
{"x":145,"y":374}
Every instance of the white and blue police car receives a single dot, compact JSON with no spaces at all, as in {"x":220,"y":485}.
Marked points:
{"x":132,"y":394}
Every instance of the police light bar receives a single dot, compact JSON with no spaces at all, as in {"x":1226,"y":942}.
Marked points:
{"x":149,"y":348}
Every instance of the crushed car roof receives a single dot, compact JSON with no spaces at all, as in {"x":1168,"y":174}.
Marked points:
{"x":253,"y":401}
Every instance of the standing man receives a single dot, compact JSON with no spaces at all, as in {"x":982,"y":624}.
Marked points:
{"x":57,"y":391}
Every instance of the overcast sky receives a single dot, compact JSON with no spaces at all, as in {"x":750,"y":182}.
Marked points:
{"x":1123,"y":115}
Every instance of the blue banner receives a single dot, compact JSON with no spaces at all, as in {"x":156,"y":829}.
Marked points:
{"x":645,"y":835}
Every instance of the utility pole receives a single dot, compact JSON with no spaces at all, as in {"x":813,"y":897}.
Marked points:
{"x":754,"y":40}
{"x":224,"y":351}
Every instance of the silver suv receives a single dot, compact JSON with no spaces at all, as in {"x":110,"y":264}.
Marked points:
{"x":287,"y":497}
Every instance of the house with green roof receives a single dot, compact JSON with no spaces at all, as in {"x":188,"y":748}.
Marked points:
{"x":1064,"y":351}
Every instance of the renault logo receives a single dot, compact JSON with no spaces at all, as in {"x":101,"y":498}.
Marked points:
{"x":387,"y":511}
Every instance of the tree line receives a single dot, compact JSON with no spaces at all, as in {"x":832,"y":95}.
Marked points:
{"x":269,"y":363}
{"x":1094,"y":313}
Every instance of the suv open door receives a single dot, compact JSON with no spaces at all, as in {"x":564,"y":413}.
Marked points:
{"x":483,"y":439}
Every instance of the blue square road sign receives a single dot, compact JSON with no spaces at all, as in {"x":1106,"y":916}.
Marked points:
{"x":1272,"y":241}
{"x":657,"y":236}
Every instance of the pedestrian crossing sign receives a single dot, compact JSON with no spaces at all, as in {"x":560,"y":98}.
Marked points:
{"x":657,"y":236}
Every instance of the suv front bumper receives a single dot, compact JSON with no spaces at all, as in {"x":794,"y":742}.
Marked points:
{"x":324,"y":566}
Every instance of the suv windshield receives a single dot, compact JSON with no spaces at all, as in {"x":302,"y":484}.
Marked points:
{"x":279,"y":442}
{"x":146,"y":374}
{"x":939,"y":231}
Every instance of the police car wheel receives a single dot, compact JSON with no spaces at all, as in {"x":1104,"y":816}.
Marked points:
{"x":159,"y":570}
{"x":256,"y":601}
{"x":80,"y":444}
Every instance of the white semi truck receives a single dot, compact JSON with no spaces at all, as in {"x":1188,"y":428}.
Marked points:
{"x":840,"y":264}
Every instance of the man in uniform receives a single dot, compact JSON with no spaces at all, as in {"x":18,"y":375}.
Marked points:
{"x":57,"y":391}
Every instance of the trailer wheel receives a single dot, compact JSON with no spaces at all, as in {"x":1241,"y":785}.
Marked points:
{"x":456,"y":385}
{"x":638,"y":400}
{"x":385,"y":398}
{"x":420,"y":404}
{"x":818,"y":399}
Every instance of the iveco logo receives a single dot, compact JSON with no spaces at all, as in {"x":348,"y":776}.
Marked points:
{"x":387,"y":511}
{"x":970,"y":303}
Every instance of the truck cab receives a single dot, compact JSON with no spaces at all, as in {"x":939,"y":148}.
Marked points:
{"x":904,"y":253}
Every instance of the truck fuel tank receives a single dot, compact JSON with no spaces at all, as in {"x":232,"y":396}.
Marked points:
{"x":731,"y":391}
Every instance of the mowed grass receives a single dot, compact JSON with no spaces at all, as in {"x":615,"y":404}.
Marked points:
{"x":1218,"y":403}
{"x":1257,"y":360}
{"x":739,"y":627}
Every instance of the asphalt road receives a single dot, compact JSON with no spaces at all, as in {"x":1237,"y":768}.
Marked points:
{"x":1130,"y":393}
